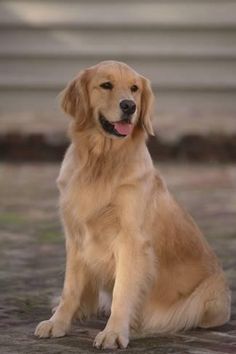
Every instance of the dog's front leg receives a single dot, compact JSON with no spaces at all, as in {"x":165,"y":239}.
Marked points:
{"x":132,"y":268}
{"x":76,"y":279}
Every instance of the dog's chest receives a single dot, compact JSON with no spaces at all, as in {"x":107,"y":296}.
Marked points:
{"x":84,"y":199}
{"x":98,"y":244}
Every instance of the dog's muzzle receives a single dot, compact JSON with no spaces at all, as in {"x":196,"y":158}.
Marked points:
{"x":122,"y":128}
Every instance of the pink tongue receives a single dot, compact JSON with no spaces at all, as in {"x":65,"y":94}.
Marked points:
{"x":123,"y":128}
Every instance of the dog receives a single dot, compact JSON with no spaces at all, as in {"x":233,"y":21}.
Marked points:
{"x":125,"y":234}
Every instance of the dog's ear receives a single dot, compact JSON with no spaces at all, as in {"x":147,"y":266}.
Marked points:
{"x":75,"y":98}
{"x":147,"y":100}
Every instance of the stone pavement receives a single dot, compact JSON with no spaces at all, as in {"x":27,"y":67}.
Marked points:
{"x":32,"y":257}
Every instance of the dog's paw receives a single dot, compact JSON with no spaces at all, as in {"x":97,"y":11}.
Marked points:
{"x":49,"y":328}
{"x":111,"y":340}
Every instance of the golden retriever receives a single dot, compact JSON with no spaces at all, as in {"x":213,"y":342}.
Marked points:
{"x":125,"y":234}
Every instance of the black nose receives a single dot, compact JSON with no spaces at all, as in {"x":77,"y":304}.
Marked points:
{"x":128,"y":106}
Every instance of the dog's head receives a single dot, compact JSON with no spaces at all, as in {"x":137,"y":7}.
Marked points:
{"x":111,"y":95}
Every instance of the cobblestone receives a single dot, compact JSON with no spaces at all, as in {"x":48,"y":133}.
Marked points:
{"x":32,"y":257}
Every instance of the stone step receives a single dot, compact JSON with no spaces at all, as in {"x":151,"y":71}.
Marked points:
{"x":45,"y":100}
{"x":121,"y":43}
{"x":111,"y":14}
{"x":175,"y":116}
{"x":186,"y":47}
{"x":165,"y":74}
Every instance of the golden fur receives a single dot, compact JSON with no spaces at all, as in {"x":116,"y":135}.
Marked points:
{"x":125,"y":234}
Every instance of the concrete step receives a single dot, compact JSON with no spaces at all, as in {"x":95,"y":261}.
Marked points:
{"x":194,"y":74}
{"x":145,"y":44}
{"x":186,"y":47}
{"x":170,"y":122}
{"x":173,"y":101}
{"x":112,"y":14}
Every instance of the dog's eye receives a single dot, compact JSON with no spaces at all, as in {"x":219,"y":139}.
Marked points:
{"x":107,"y":85}
{"x":134,"y":88}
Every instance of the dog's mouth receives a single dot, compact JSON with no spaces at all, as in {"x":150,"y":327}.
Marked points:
{"x":122,"y":128}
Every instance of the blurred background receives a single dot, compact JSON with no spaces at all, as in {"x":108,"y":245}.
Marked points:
{"x":187,"y":48}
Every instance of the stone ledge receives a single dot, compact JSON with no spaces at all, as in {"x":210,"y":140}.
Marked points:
{"x":191,"y":147}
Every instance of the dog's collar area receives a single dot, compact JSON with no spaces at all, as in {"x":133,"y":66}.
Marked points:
{"x":110,"y":127}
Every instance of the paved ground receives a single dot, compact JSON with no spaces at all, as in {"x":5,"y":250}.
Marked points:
{"x":32,"y":257}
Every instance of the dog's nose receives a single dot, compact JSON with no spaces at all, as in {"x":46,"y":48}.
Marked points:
{"x":128,"y":106}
